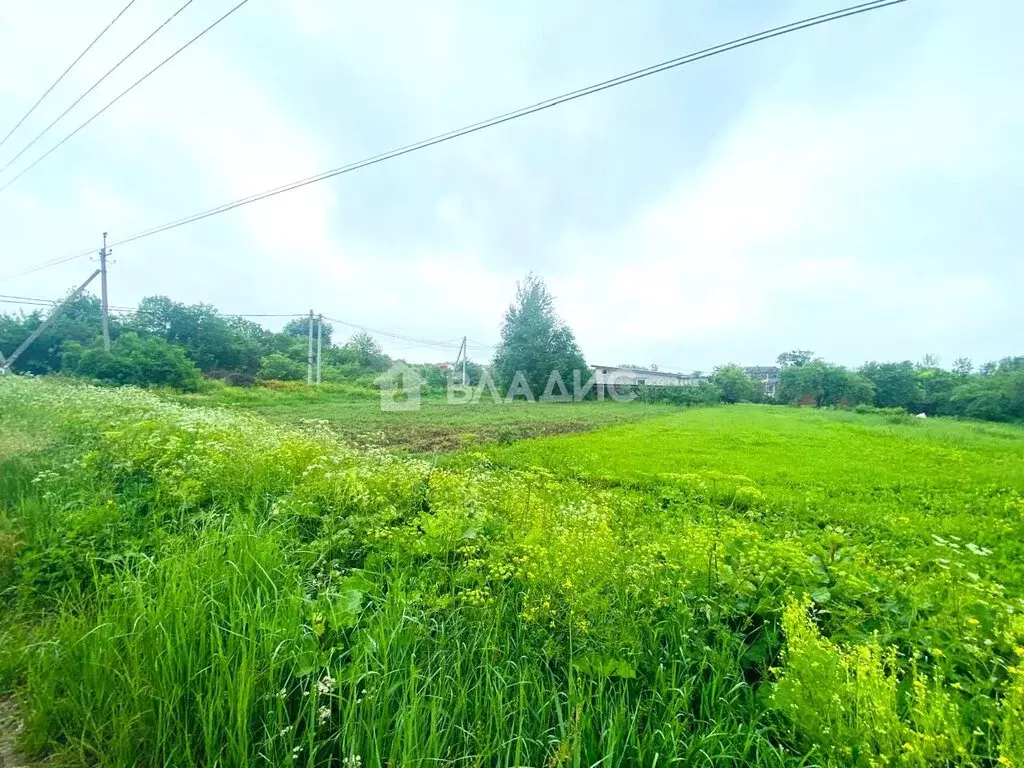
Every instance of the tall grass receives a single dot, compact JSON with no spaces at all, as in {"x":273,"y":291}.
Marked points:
{"x":188,"y":587}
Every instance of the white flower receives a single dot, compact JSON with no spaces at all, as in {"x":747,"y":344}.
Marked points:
{"x":325,"y":685}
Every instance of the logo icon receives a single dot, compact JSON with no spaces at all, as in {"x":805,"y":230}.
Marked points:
{"x":400,"y":388}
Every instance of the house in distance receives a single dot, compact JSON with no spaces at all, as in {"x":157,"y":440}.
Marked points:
{"x":634,"y":376}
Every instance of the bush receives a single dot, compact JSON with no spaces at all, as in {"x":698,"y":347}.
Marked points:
{"x":278,"y":367}
{"x":735,"y":386}
{"x":702,"y":394}
{"x":131,"y":360}
{"x":234,"y":378}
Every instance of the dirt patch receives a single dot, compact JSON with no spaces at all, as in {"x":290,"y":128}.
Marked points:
{"x":437,"y":438}
{"x":11,"y":726}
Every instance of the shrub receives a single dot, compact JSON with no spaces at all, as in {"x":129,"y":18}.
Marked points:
{"x":278,"y":367}
{"x":131,"y":360}
{"x":702,"y":394}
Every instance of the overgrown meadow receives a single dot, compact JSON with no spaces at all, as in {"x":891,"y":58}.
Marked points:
{"x":190,"y":586}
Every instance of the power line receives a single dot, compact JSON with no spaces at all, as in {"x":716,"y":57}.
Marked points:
{"x":452,"y":343}
{"x":64,"y":73}
{"x":539,"y":106}
{"x":445,"y":344}
{"x":93,"y":86}
{"x":117,"y":98}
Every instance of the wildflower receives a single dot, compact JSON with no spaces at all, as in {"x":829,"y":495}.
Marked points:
{"x":325,"y":685}
{"x":323,"y":714}
{"x":282,"y":693}
{"x":352,"y":761}
{"x":973,"y":621}
{"x":1018,"y":650}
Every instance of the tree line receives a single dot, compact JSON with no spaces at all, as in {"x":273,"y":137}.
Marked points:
{"x":166,"y":343}
{"x":993,"y":392}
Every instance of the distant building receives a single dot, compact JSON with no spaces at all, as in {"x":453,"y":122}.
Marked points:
{"x":623,"y":375}
{"x":768,"y":375}
{"x":627,"y":375}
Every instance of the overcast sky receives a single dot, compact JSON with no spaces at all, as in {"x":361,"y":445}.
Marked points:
{"x":854,"y":189}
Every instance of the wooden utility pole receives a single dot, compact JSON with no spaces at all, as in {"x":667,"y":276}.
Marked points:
{"x":309,"y":352}
{"x":319,"y":346}
{"x":6,"y":365}
{"x":103,"y":290}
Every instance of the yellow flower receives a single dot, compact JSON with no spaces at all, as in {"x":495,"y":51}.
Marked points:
{"x":973,"y":621}
{"x":937,"y":652}
{"x":1018,"y":650}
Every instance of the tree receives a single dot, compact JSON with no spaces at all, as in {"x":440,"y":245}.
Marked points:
{"x":278,"y":367}
{"x":535,"y":341}
{"x":207,"y":337}
{"x":78,"y":321}
{"x":823,"y":384}
{"x":135,"y":361}
{"x":963,"y":367}
{"x":896,"y":384}
{"x":366,"y":352}
{"x":796,"y":358}
{"x":936,"y":386}
{"x":734,"y":384}
{"x":299,"y":328}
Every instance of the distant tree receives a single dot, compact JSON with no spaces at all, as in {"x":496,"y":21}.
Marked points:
{"x":929,"y":361}
{"x":896,"y":384}
{"x":207,"y":337}
{"x":133,"y":360}
{"x":278,"y":367}
{"x":963,"y":367}
{"x":535,"y":341}
{"x":797,"y":357}
{"x":299,"y":328}
{"x":823,"y":384}
{"x":78,"y":321}
{"x":936,"y":386}
{"x":734,"y":384}
{"x":366,"y":352}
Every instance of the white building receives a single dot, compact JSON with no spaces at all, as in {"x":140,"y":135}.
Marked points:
{"x":629,"y":376}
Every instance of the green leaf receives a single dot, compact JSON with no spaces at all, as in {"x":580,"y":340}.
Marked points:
{"x":593,"y":665}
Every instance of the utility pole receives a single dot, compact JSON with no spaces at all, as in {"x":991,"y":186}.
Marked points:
{"x":461,"y":356}
{"x":319,"y":346}
{"x":6,"y":365}
{"x":309,"y":352}
{"x":464,"y":354}
{"x":103,"y":290}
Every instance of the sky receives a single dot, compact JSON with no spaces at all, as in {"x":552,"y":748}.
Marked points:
{"x":853,"y":189}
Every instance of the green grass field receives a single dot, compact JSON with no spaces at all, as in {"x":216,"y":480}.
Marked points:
{"x":235,"y":586}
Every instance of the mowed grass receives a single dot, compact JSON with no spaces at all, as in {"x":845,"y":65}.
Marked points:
{"x":436,"y":426}
{"x":789,"y":450}
{"x":729,"y":586}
